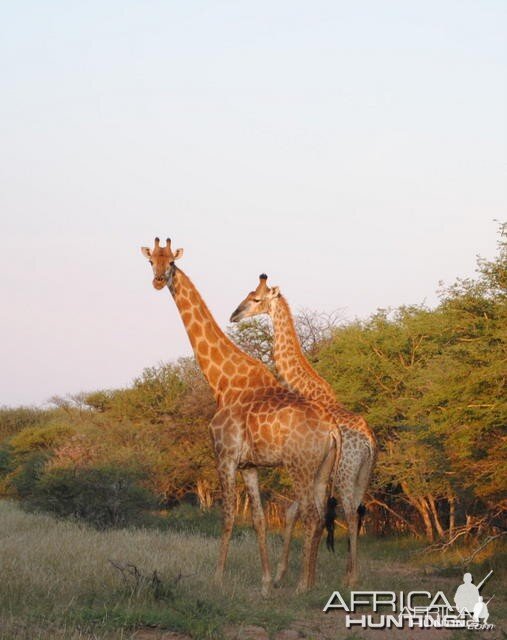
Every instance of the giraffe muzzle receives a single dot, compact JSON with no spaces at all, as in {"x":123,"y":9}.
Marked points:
{"x":159,"y":282}
{"x":236,"y":315}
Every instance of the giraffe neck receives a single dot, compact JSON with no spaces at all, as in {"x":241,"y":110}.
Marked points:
{"x":290,"y":360}
{"x":228,"y":370}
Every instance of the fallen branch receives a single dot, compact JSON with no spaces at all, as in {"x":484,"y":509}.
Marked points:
{"x":397,"y":515}
{"x":487,"y":542}
{"x":134,"y":580}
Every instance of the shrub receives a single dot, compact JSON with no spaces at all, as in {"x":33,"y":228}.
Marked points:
{"x":13,"y":420}
{"x":39,"y":438}
{"x":25,"y":477}
{"x":23,"y":456}
{"x":102,"y":496}
{"x":6,"y":463}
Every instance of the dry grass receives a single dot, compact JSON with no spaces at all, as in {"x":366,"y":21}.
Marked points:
{"x":57,"y":581}
{"x":55,"y":570}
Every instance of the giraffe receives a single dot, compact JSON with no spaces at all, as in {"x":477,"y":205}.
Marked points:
{"x":359,"y":448}
{"x":258,"y":423}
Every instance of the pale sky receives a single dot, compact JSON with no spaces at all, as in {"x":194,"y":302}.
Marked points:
{"x":354,"y":151}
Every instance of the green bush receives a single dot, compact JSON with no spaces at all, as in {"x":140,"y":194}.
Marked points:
{"x":104,"y":497}
{"x":6,"y":462}
{"x":24,"y":455}
{"x":13,"y":420}
{"x":40,"y":438}
{"x":26,"y":477}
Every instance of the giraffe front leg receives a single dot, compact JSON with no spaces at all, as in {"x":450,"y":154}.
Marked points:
{"x":251,"y":480}
{"x":227,"y":475}
{"x":290,"y":518}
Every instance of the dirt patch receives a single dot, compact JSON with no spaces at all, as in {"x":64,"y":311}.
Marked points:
{"x":247,"y":632}
{"x":158,"y":634}
{"x":287,"y":634}
{"x":254,"y":632}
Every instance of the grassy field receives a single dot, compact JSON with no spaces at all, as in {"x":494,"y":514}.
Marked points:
{"x":58,"y":580}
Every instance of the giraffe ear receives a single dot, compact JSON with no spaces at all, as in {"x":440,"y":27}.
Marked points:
{"x":177,"y":254}
{"x":146,"y":252}
{"x":274,"y":292}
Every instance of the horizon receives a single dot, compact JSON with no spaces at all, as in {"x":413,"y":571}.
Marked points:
{"x":342,"y":320}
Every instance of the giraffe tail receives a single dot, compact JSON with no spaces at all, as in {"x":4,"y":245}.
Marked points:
{"x":361,"y":512}
{"x":330,"y":518}
{"x":332,"y":502}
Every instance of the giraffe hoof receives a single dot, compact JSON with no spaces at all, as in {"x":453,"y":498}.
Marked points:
{"x":266,"y":588}
{"x":218,"y":579}
{"x":278,"y":579}
{"x":350,"y":580}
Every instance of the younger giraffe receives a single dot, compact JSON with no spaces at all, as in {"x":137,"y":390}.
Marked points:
{"x":358,"y":441}
{"x":258,"y":423}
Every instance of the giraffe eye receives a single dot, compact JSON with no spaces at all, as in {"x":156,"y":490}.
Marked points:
{"x":256,"y":299}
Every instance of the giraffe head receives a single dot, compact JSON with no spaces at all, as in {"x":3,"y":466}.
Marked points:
{"x":162,"y":260}
{"x":257,"y":301}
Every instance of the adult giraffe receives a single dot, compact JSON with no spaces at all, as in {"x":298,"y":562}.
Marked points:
{"x":258,"y":423}
{"x":359,"y":447}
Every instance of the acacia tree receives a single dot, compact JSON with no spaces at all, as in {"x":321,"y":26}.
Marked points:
{"x":441,"y":372}
{"x":255,"y":335}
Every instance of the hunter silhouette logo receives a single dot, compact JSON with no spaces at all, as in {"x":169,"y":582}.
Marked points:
{"x":468,"y":599}
{"x":420,"y":609}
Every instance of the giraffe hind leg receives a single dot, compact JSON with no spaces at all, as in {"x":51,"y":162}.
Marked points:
{"x":290,"y":520}
{"x":313,"y":526}
{"x":325,"y":503}
{"x":316,"y":513}
{"x":309,"y":518}
{"x":354,"y":492}
{"x":352,"y":524}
